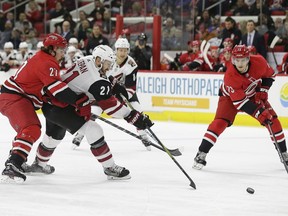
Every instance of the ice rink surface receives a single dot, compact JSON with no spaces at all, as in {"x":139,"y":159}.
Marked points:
{"x":243,"y":157}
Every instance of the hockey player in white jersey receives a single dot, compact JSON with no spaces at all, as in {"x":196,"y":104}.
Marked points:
{"x":125,"y":72}
{"x":88,"y":76}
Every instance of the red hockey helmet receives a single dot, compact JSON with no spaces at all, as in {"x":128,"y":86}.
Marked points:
{"x":240,"y":51}
{"x":227,"y":49}
{"x":54,"y":39}
{"x":194,"y":43}
{"x":252,"y":50}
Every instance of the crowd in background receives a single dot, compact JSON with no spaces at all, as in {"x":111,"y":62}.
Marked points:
{"x":183,"y":22}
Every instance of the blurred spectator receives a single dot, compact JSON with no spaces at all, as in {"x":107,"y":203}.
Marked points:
{"x":57,"y":11}
{"x":95,"y":39}
{"x":241,"y":8}
{"x":33,"y":11}
{"x":282,"y":32}
{"x":107,"y":27}
{"x":97,"y":19}
{"x":5,"y":36}
{"x":67,"y":17}
{"x":137,"y":9}
{"x":142,"y":53}
{"x":2,"y":21}
{"x":253,"y":38}
{"x":29,"y":35}
{"x":10,"y":17}
{"x":255,"y":10}
{"x":205,"y":20}
{"x":265,"y":23}
{"x":190,"y":23}
{"x":171,"y":36}
{"x":24,"y":53}
{"x":16,"y":37}
{"x":98,"y":8}
{"x":84,"y":33}
{"x":19,"y":24}
{"x":231,"y":31}
{"x":82,"y":16}
{"x":66,"y":30}
{"x":277,"y":5}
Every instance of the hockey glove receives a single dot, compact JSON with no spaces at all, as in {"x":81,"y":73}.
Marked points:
{"x":138,"y":120}
{"x":83,"y":106}
{"x":50,"y":99}
{"x":263,"y":116}
{"x":117,"y":88}
{"x":261,"y":95}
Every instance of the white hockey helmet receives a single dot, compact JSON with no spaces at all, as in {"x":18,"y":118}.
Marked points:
{"x":71,"y":49}
{"x":8,"y":45}
{"x":23,"y":45}
{"x":105,"y":53}
{"x":122,"y":43}
{"x":40,"y":44}
{"x":73,"y":40}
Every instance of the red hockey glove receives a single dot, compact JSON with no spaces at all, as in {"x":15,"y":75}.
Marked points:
{"x":139,"y":120}
{"x":49,"y":98}
{"x":261,"y":95}
{"x":117,"y":88}
{"x":83,"y":106}
{"x":263,"y":116}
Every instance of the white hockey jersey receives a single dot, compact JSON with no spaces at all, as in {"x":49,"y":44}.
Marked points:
{"x":126,"y":74}
{"x":84,"y":77}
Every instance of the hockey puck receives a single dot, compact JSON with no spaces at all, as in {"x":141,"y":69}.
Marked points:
{"x":250,"y":190}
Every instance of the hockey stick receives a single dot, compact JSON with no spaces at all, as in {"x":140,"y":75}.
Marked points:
{"x":174,"y":152}
{"x":272,"y":45}
{"x":192,"y":184}
{"x":204,"y":47}
{"x":277,"y":146}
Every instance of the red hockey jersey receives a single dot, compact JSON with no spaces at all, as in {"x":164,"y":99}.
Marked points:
{"x":37,"y":74}
{"x":241,"y":87}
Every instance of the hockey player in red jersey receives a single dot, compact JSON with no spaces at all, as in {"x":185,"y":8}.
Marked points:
{"x":24,"y":93}
{"x":283,"y":67}
{"x":88,"y":76}
{"x":245,"y":89}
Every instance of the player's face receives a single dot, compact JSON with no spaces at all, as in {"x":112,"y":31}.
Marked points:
{"x":227,"y":56}
{"x":195,"y":49}
{"x":121,"y":54}
{"x":60,"y":52}
{"x":241,"y":64}
{"x":107,"y":65}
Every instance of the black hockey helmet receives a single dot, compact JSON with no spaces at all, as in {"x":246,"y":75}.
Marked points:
{"x":142,"y":36}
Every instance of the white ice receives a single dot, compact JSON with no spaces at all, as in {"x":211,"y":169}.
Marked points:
{"x":243,"y":157}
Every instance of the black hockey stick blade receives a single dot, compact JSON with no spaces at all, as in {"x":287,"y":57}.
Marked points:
{"x":192,"y":184}
{"x":174,"y":152}
{"x":277,"y":147}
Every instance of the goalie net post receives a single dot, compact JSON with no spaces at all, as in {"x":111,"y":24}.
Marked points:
{"x":155,"y":21}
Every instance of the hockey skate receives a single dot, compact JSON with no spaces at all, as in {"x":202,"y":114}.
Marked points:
{"x":117,"y":172}
{"x":36,"y":168}
{"x":12,"y":174}
{"x":77,"y":140}
{"x":199,"y":160}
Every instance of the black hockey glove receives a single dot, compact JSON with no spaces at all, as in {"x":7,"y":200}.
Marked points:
{"x":141,"y":121}
{"x":117,"y":88}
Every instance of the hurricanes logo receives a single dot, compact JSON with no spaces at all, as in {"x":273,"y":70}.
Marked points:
{"x":284,"y":95}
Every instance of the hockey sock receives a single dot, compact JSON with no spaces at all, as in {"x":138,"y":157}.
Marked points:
{"x":101,"y":151}
{"x":213,"y":132}
{"x":279,"y":134}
